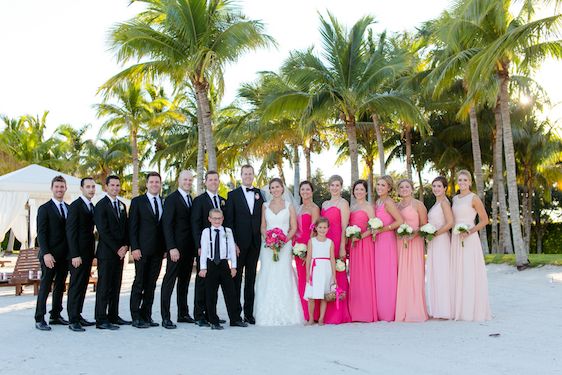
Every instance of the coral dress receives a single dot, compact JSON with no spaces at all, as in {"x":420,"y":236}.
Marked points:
{"x":335,"y":315}
{"x":362,"y":297}
{"x":410,"y":295}
{"x":386,"y":267}
{"x":438,"y":268}
{"x":304,"y":221}
{"x":470,"y":291}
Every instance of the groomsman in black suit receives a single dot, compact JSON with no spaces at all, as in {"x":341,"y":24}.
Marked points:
{"x":199,"y":221}
{"x":81,"y":247}
{"x":53,"y":250}
{"x":243,"y":216}
{"x":176,"y":222}
{"x":113,"y":229}
{"x":148,"y":248}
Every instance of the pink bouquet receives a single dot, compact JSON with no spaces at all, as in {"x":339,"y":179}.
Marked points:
{"x":275,"y":239}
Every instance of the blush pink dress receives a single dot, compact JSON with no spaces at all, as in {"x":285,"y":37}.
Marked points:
{"x":470,"y":281}
{"x":304,"y":221}
{"x":410,"y":295}
{"x":438,"y":267}
{"x":335,"y":315}
{"x":386,"y":267}
{"x":362,"y":297}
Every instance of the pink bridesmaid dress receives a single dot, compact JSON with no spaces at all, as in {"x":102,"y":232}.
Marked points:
{"x":470,"y":293}
{"x":410,"y":295}
{"x":386,"y":267}
{"x":304,"y":221}
{"x":438,"y":268}
{"x":362,"y":297}
{"x":335,"y":315}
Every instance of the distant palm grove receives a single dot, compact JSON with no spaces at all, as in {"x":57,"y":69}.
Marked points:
{"x":455,"y":93}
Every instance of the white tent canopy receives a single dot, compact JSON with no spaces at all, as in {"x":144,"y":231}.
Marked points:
{"x":21,"y":194}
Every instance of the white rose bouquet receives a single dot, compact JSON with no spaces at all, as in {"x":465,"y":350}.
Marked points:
{"x":428,"y":232}
{"x":461,"y":228}
{"x":403,"y":231}
{"x":374,"y":224}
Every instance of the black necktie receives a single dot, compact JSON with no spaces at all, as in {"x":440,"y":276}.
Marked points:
{"x":217,"y":257}
{"x":156,"y":209}
{"x":62,"y":212}
{"x":215,"y":201}
{"x":188,"y":200}
{"x":116,"y":208}
{"x":91,"y":207}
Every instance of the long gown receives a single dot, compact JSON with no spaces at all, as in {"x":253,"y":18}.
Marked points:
{"x":277,"y":300}
{"x":335,"y":315}
{"x":468,"y":268}
{"x":438,"y":268}
{"x":362,"y":297}
{"x":410,"y":294}
{"x":386,"y":267}
{"x":304,"y":221}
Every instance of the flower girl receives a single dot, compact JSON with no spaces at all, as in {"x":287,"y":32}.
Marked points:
{"x":320,"y":269}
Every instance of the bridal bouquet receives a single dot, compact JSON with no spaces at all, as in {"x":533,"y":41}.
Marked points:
{"x":340,"y":265}
{"x":428,"y":232}
{"x":374,"y":224}
{"x":353,"y":231}
{"x":461,"y":228}
{"x":275,"y":239}
{"x":403,"y":231}
{"x":299,"y":250}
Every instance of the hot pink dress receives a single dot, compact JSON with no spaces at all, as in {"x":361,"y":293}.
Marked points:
{"x":410,"y":295}
{"x":470,"y":288}
{"x":439,"y":268}
{"x":335,"y":315}
{"x":386,"y":267}
{"x":362,"y":297}
{"x":304,"y":221}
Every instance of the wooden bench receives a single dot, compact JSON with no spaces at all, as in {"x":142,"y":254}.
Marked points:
{"x":27,"y":261}
{"x":4,"y":262}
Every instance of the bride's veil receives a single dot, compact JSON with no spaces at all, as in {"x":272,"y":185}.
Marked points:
{"x":287,"y":196}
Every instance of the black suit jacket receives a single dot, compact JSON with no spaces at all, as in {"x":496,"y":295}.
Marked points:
{"x":113,"y":231}
{"x":51,"y":232}
{"x":200,"y":215}
{"x":245,"y":225}
{"x":176,"y":223}
{"x":80,"y":230}
{"x":145,"y":229}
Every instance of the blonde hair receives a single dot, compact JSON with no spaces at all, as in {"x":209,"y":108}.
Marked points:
{"x":335,"y":178}
{"x":389,"y":181}
{"x":406,"y":180}
{"x":465,"y":173}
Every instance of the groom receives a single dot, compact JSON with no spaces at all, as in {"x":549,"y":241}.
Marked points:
{"x":243,"y":216}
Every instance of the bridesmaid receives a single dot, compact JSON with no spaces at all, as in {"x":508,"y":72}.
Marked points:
{"x":307,"y":214}
{"x":439,"y":253}
{"x":336,"y":210}
{"x":362,"y":297}
{"x":410,"y":295}
{"x":469,"y":271}
{"x":386,"y":265}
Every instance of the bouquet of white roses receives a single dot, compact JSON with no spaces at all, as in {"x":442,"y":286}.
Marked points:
{"x":374,"y":224}
{"x":340,"y":265}
{"x":403,"y":231}
{"x":461,"y":228}
{"x":353,"y":231}
{"x":299,"y":250}
{"x":428,"y":232}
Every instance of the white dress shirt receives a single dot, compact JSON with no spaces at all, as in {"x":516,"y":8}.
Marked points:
{"x":151,"y":200}
{"x":57,"y":203}
{"x":87,"y":201}
{"x":118,"y":205}
{"x":211,"y":195}
{"x":250,"y":197}
{"x":227,"y":246}
{"x":185,"y":196}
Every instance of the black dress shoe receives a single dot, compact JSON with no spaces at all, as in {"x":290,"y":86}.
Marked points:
{"x":107,"y":325}
{"x":168,"y":324}
{"x":152,"y":323}
{"x":238,"y":323}
{"x":42,"y":326}
{"x":202,"y":323}
{"x":121,"y":322}
{"x":140,"y":324}
{"x":250,"y":320}
{"x":59,"y":320}
{"x":222,"y":321}
{"x":185,"y":319}
{"x":216,"y":326}
{"x":86,"y":323}
{"x":76,"y":327}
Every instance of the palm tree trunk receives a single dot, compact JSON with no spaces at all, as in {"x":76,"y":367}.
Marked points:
{"x":279,"y":164}
{"x":478,"y":177}
{"x":135,"y":156}
{"x":528,"y":217}
{"x":308,"y":164}
{"x":351,"y":131}
{"x":506,"y":246}
{"x":380,"y":142}
{"x":297,"y":172}
{"x":521,"y":256}
{"x":204,"y":103}
{"x":452,"y":182}
{"x":370,"y":179}
{"x":408,"y":137}
{"x":420,"y":180}
{"x":200,"y":153}
{"x":495,"y":243}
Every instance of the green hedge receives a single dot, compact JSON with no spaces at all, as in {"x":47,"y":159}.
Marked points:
{"x":552,"y":239}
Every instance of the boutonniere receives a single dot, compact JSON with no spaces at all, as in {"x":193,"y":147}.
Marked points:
{"x":222,"y":203}
{"x":121,"y":206}
{"x":257,"y":196}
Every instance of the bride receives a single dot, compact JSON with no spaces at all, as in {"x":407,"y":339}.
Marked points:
{"x":277,"y":300}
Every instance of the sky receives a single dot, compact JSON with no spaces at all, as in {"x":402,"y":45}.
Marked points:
{"x":56,"y":53}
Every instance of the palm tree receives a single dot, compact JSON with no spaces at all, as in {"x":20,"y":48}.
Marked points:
{"x":188,"y":41}
{"x":104,"y":157}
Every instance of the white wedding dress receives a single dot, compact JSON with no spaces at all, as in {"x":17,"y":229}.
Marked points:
{"x":277,"y":301}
